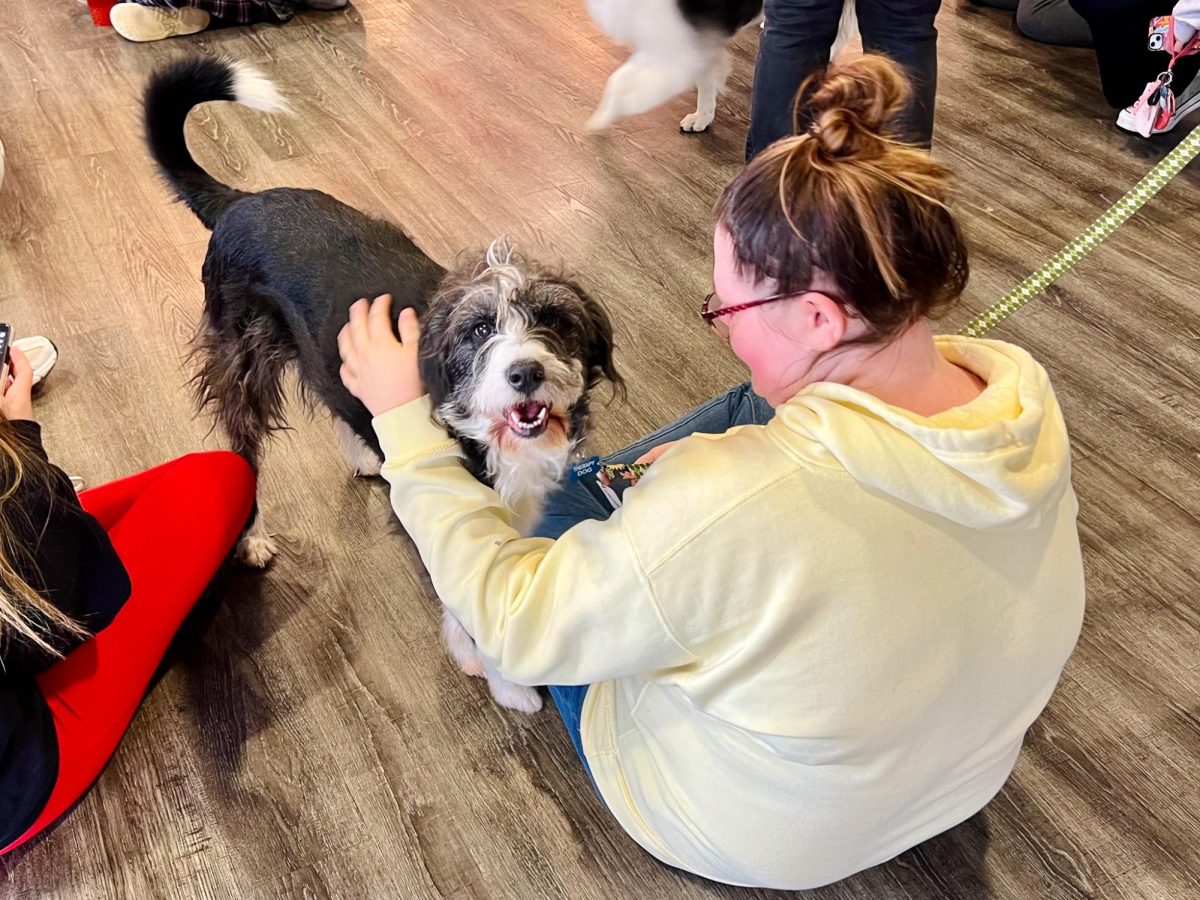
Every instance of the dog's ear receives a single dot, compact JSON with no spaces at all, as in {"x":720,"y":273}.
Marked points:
{"x":434,"y":355}
{"x":599,"y":337}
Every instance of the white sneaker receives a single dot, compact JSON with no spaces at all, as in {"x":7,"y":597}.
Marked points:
{"x":42,"y":355}
{"x":1187,"y":103}
{"x":135,"y":22}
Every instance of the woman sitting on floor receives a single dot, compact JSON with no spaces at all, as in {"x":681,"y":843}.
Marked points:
{"x":92,"y":590}
{"x":816,"y":631}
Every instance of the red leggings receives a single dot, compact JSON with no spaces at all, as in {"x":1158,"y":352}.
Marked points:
{"x":172,"y":526}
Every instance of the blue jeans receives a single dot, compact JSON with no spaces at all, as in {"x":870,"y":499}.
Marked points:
{"x":572,"y":503}
{"x":796,"y":42}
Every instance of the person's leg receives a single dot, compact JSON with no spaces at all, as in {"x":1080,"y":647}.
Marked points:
{"x":108,"y":503}
{"x":904,"y":30}
{"x":568,"y":700}
{"x":573,"y":503}
{"x":737,"y":406}
{"x":144,"y":21}
{"x":1126,"y":64}
{"x":171,"y":538}
{"x":1053,"y":22}
{"x":795,"y":43}
{"x":227,"y":12}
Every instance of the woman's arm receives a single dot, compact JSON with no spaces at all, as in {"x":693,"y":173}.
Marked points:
{"x":572,"y":611}
{"x":29,"y":433}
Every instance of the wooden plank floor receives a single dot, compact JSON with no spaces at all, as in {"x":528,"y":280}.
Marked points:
{"x":312,"y":739}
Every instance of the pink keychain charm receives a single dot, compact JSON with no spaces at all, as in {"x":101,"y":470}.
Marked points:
{"x":1156,"y":107}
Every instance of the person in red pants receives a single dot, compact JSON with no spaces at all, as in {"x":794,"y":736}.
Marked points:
{"x":92,"y":590}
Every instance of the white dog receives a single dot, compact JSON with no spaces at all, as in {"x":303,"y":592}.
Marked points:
{"x":677,"y":44}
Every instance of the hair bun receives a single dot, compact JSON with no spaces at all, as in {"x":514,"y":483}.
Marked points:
{"x":853,"y":106}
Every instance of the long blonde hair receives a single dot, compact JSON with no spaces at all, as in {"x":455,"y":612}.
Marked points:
{"x":24,"y":613}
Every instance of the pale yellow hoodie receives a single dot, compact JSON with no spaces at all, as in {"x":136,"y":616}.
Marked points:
{"x":812,"y":644}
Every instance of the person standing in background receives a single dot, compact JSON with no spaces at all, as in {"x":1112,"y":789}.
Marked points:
{"x":796,"y":41}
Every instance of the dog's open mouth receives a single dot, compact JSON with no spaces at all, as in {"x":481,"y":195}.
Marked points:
{"x":528,"y":419}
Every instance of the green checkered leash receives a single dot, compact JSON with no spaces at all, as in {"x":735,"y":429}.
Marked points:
{"x":1095,"y":234}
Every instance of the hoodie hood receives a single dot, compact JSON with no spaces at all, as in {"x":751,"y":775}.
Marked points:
{"x":999,"y":461}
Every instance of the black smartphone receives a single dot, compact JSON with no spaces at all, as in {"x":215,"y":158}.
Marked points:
{"x":5,"y":342}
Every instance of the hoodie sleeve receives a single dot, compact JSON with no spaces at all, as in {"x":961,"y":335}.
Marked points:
{"x":573,"y":611}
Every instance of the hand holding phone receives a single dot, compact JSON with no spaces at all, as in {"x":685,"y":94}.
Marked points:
{"x":16,"y":385}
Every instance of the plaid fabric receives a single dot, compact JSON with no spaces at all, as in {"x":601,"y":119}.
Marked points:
{"x":236,"y":12}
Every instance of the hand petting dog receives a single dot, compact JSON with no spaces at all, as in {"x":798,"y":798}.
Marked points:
{"x":379,"y":370}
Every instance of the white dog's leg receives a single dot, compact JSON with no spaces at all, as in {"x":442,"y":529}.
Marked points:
{"x":257,"y":547}
{"x":847,"y":28}
{"x":460,"y":645}
{"x":643,"y":83}
{"x":707,"y":88}
{"x":511,"y":696}
{"x":472,"y":662}
{"x":362,"y":459}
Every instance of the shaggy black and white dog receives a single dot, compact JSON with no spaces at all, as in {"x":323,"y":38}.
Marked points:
{"x":677,"y":44}
{"x":509,"y":351}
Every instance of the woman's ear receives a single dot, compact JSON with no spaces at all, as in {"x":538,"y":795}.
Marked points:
{"x":825,"y":320}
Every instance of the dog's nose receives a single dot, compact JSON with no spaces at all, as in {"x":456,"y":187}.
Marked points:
{"x":527,"y":376}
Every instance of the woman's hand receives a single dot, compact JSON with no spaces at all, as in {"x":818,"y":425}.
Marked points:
{"x":376,"y":368}
{"x":16,"y":399}
{"x":654,"y":453}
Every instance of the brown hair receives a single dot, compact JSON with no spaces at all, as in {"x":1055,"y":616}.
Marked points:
{"x":24,"y":613}
{"x":846,"y":198}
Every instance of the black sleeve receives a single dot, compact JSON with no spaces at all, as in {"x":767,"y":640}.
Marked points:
{"x":30,"y":433}
{"x":74,"y":564}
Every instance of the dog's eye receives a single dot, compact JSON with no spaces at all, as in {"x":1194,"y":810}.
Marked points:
{"x":548,"y":319}
{"x":482,"y":329}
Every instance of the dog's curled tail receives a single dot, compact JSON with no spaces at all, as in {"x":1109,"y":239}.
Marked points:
{"x":170,"y":96}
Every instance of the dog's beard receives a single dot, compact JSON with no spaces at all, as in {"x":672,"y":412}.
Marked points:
{"x":527,"y":436}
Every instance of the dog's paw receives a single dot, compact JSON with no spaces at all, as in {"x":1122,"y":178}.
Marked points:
{"x":600,"y":121}
{"x":516,"y":696}
{"x":472,"y":667}
{"x":369,"y":466}
{"x":462,"y":649}
{"x":257,"y":550}
{"x":694,"y":123}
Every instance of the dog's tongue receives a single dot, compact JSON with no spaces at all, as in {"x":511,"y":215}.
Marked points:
{"x":529,"y":410}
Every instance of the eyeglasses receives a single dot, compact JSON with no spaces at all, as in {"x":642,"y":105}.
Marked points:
{"x":717,"y":322}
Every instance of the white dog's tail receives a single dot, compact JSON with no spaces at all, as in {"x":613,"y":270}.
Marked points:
{"x":847,"y":28}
